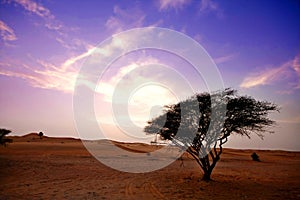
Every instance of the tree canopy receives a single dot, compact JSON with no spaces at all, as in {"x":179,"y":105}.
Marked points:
{"x":41,"y":134}
{"x":202,"y":123}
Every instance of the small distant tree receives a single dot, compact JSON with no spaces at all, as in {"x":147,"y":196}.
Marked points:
{"x":3,"y":133}
{"x":205,"y":122}
{"x":41,"y":134}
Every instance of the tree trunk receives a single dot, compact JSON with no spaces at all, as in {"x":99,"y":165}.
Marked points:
{"x":208,"y":162}
{"x":206,"y":176}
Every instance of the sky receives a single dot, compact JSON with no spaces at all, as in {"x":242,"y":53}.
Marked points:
{"x":255,"y":46}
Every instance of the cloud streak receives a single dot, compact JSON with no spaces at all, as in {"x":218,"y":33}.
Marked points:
{"x":49,"y":77}
{"x":62,"y":76}
{"x":35,"y":8}
{"x":172,"y":4}
{"x":263,"y":78}
{"x":205,"y":6}
{"x":38,"y":9}
{"x":74,"y":59}
{"x":125,"y":19}
{"x":42,"y":74}
{"x":7,"y":33}
{"x":225,"y":58}
{"x":50,"y":21}
{"x":272,"y":75}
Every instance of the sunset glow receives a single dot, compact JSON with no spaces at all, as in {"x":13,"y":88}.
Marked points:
{"x":44,"y":44}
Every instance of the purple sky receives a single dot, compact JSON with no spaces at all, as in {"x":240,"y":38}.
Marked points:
{"x":255,"y":44}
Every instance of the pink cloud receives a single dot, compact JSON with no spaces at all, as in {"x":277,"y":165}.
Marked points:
{"x":42,"y":74}
{"x":46,"y":79}
{"x":35,"y":8}
{"x":271,"y":75}
{"x":38,"y":9}
{"x":7,"y":33}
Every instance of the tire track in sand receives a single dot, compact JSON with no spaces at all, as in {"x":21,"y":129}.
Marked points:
{"x":146,"y":190}
{"x":128,"y":190}
{"x":154,"y":191}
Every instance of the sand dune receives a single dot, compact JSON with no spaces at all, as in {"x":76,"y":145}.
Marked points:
{"x":34,"y":137}
{"x":61,"y":168}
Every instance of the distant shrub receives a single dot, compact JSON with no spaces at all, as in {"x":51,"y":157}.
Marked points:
{"x":255,"y":157}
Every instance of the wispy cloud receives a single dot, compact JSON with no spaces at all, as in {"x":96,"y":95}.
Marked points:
{"x":46,"y":75}
{"x":272,"y":75}
{"x":49,"y":21}
{"x":62,"y":76}
{"x":205,"y":6}
{"x":54,"y":75}
{"x":125,"y":19}
{"x":225,"y":58}
{"x":56,"y":79}
{"x":35,"y":8}
{"x":7,"y":33}
{"x":72,"y":60}
{"x":296,"y":67}
{"x":208,"y":6}
{"x":172,"y":4}
{"x":59,"y":76}
{"x":18,"y":75}
{"x":263,"y":78}
{"x":39,"y":10}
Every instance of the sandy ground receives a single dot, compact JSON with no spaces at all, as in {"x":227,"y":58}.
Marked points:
{"x":61,"y":168}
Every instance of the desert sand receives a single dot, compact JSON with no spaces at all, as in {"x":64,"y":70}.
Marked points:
{"x":61,"y":168}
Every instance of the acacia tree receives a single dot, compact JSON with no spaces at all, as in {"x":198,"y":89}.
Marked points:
{"x":41,"y":134}
{"x":3,"y":133}
{"x":202,"y":124}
